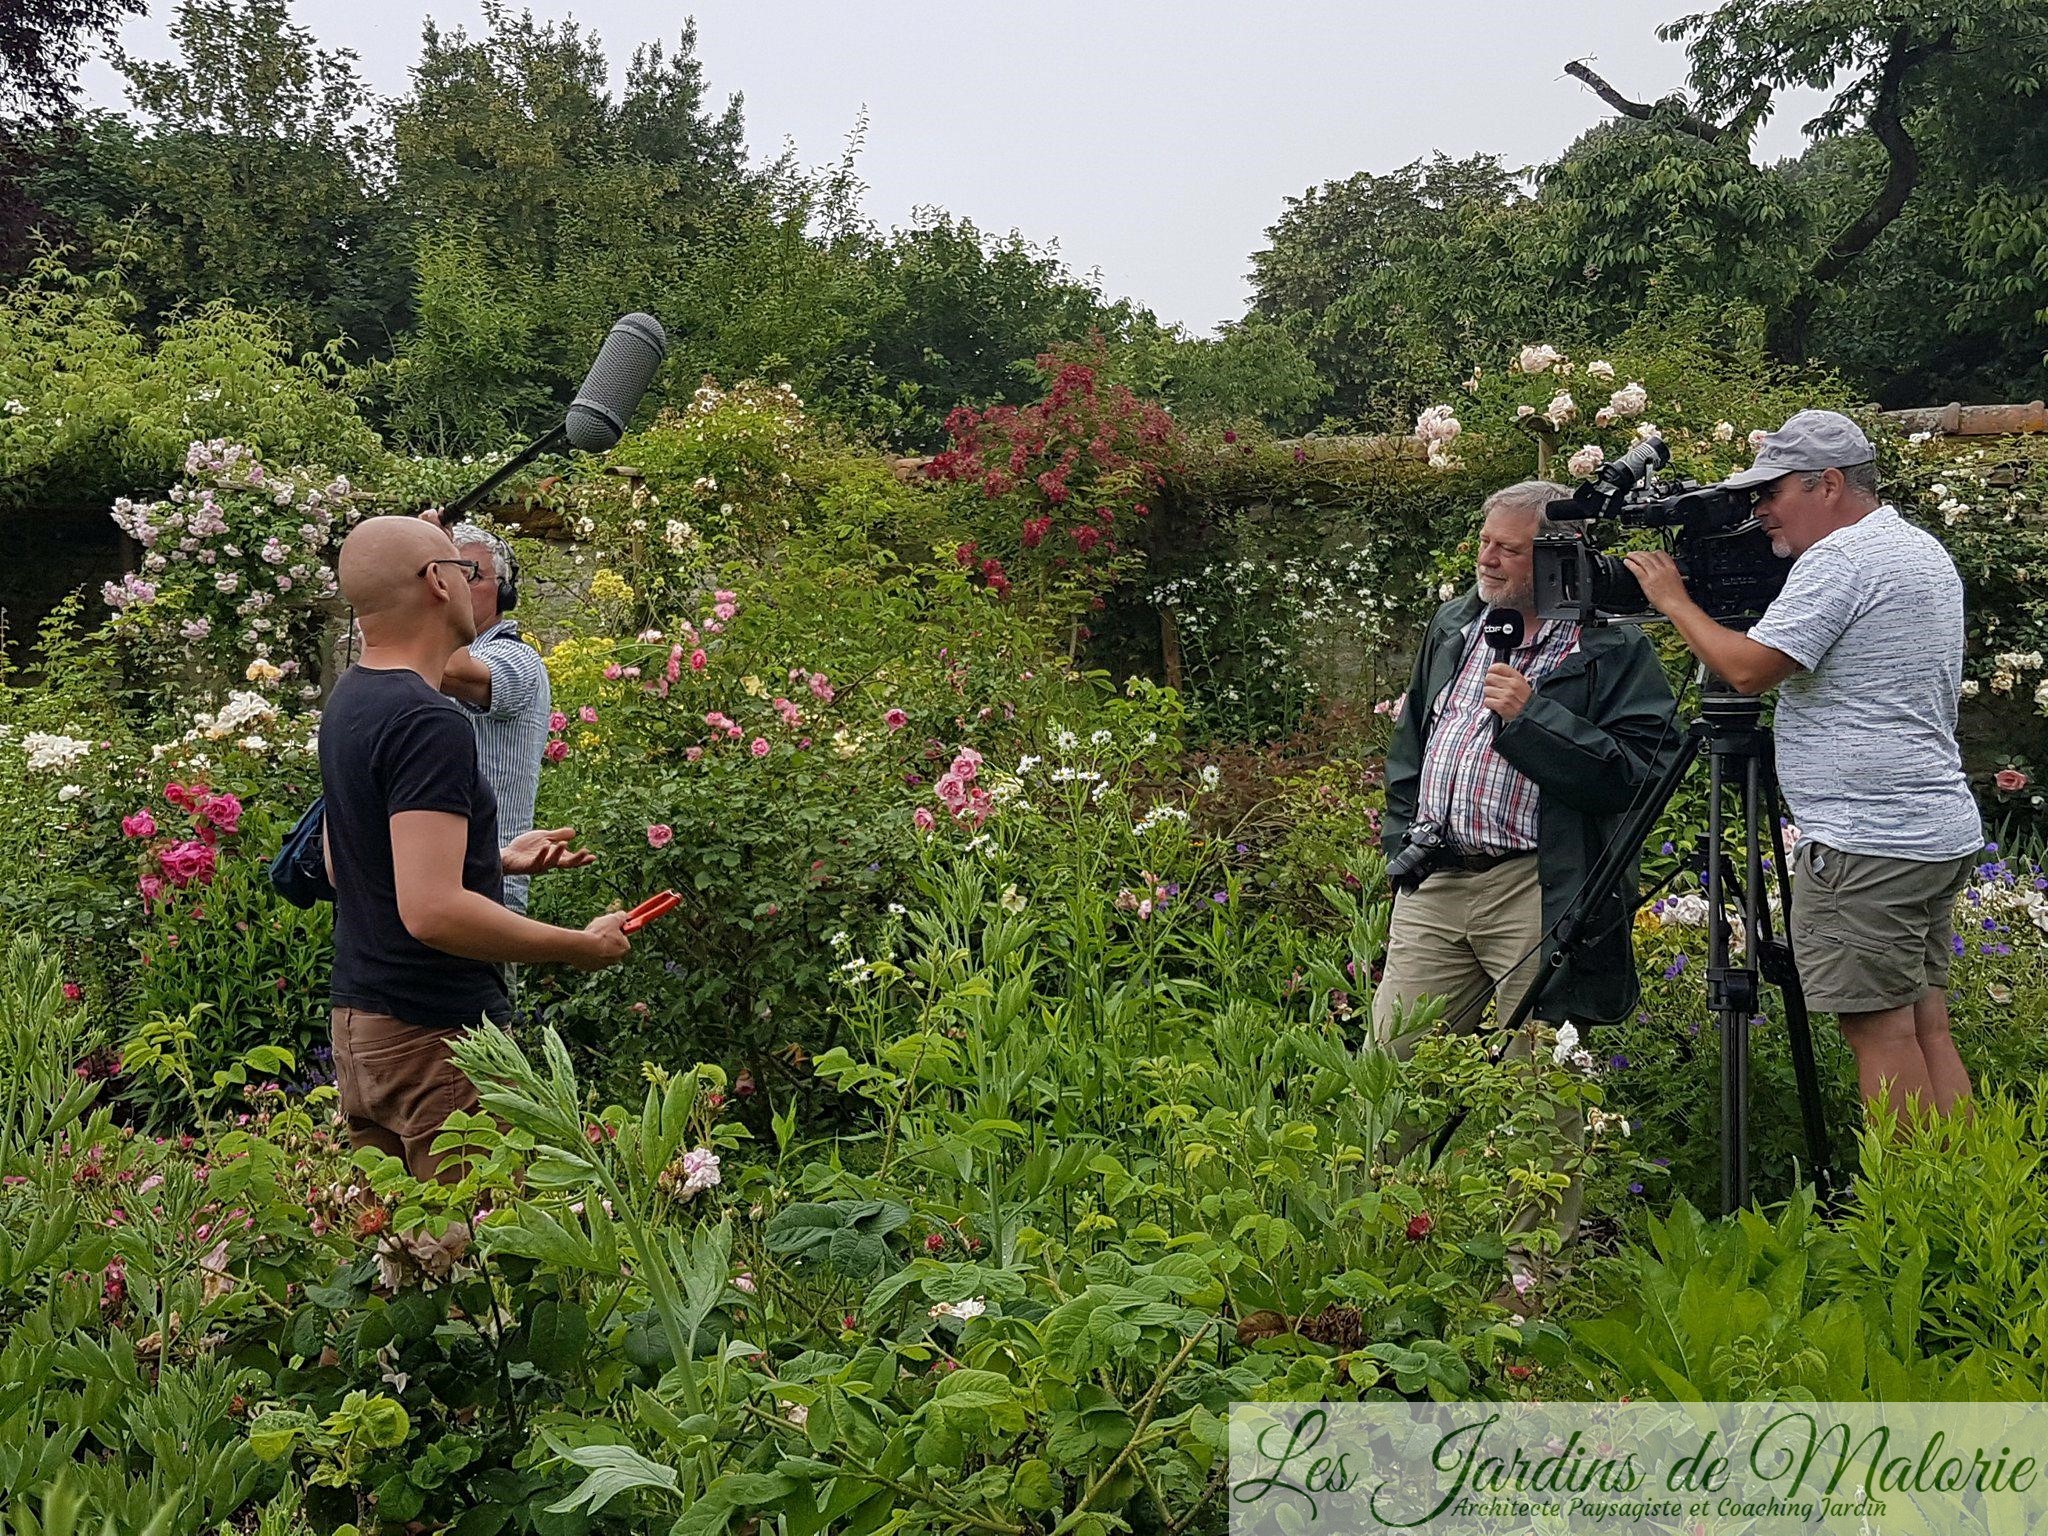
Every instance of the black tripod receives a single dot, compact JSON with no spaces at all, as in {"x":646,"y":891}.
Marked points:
{"x":1737,"y":745}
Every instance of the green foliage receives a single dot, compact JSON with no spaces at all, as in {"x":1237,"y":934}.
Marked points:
{"x":254,"y":177}
{"x":95,"y":408}
{"x":1393,"y":282}
{"x":1927,"y":1289}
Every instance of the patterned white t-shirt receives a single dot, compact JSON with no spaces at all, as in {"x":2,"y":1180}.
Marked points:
{"x":1867,"y":750}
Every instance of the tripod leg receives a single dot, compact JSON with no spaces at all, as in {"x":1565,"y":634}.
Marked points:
{"x":1798,"y":1023}
{"x":1733,"y":1018}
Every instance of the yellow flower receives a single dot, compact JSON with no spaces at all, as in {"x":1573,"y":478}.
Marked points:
{"x":608,"y":586}
{"x":754,"y":686}
{"x":261,"y":671}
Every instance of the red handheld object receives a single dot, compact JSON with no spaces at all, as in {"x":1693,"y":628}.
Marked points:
{"x":650,"y":909}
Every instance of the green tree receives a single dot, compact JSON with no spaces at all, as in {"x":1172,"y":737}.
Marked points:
{"x":963,"y":313}
{"x":1948,"y":91}
{"x":1394,"y":283}
{"x":252,"y":172}
{"x":524,"y":184}
{"x":42,"y":43}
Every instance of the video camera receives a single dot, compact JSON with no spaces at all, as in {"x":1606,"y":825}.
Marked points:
{"x":1722,"y":551}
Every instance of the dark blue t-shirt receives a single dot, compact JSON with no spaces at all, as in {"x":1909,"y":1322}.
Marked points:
{"x":390,"y":743}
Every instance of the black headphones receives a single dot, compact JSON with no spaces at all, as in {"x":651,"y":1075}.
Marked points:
{"x":508,"y":584}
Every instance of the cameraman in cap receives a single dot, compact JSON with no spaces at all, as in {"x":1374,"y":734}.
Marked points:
{"x":1518,"y":765}
{"x":1867,"y":640}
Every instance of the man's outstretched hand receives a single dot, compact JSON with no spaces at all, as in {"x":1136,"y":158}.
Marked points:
{"x":544,"y":848}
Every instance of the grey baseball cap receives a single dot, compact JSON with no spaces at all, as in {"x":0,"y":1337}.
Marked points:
{"x":1810,"y":441}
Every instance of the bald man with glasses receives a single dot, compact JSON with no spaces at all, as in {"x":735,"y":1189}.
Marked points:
{"x":420,"y":923}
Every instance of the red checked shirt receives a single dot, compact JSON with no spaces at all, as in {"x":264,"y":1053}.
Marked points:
{"x":1485,"y":803}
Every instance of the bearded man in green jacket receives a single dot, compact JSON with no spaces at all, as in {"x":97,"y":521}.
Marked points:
{"x":1524,"y":764}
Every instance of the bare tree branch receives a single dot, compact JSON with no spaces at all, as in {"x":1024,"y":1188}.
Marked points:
{"x":1691,"y":122}
{"x":1887,"y":126}
{"x":1743,"y":123}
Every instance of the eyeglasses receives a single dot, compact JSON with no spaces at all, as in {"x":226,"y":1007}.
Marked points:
{"x":470,"y":568}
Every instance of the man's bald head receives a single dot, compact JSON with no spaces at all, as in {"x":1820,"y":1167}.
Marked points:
{"x":381,"y":577}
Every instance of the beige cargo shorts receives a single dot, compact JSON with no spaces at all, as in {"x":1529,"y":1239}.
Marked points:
{"x":1869,"y":932}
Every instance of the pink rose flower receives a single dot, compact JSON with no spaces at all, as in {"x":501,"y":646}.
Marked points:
{"x":223,"y":810}
{"x":141,"y":824}
{"x":760,"y":746}
{"x":187,"y":862}
{"x":555,"y":751}
{"x":924,"y":819}
{"x":151,"y":888}
{"x":587,"y":715}
{"x":629,"y":672}
{"x":2010,"y":780}
{"x":821,"y":687}
{"x":558,"y":721}
{"x":724,"y":611}
{"x":674,"y":669}
{"x":699,"y":661}
{"x":895,"y":719}
{"x":613,"y":672}
{"x":73,"y":991}
{"x":660,"y":836}
{"x":691,"y":754}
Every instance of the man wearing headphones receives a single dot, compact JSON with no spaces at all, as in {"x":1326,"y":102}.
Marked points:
{"x":504,"y":684}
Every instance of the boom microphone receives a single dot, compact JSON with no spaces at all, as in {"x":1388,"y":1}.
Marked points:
{"x":597,"y":417}
{"x":611,"y":393}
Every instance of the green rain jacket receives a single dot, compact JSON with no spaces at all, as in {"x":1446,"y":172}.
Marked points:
{"x":1595,"y":732}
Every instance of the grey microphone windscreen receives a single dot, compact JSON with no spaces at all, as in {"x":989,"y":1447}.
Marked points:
{"x":611,"y":393}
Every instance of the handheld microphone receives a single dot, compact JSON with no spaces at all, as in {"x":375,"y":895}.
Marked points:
{"x":618,"y":378}
{"x":1501,"y":628}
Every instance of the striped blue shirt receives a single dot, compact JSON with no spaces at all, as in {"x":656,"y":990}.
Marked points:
{"x":511,"y":732}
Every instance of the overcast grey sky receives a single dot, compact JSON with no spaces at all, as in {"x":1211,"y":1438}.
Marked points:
{"x":1154,"y":142}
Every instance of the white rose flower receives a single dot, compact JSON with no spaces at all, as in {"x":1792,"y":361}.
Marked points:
{"x":1561,"y":409}
{"x":1630,"y":400}
{"x":1603,"y":371}
{"x":1539,"y":359}
{"x":1567,"y":1043}
{"x":1587,"y":461}
{"x":1724,"y":431}
{"x":1756,"y":440}
{"x":48,"y":751}
{"x":1437,"y":425}
{"x":1971,"y":688}
{"x":69,"y":793}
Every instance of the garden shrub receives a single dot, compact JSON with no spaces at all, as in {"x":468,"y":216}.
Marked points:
{"x":93,"y":408}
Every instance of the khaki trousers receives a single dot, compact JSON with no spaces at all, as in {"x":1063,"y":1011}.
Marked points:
{"x":398,"y":1083}
{"x":1471,"y":939}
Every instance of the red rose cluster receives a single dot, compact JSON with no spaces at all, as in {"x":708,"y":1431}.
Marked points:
{"x":176,"y":862}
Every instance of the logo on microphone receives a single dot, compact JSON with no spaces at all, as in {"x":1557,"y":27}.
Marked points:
{"x":1502,"y":630}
